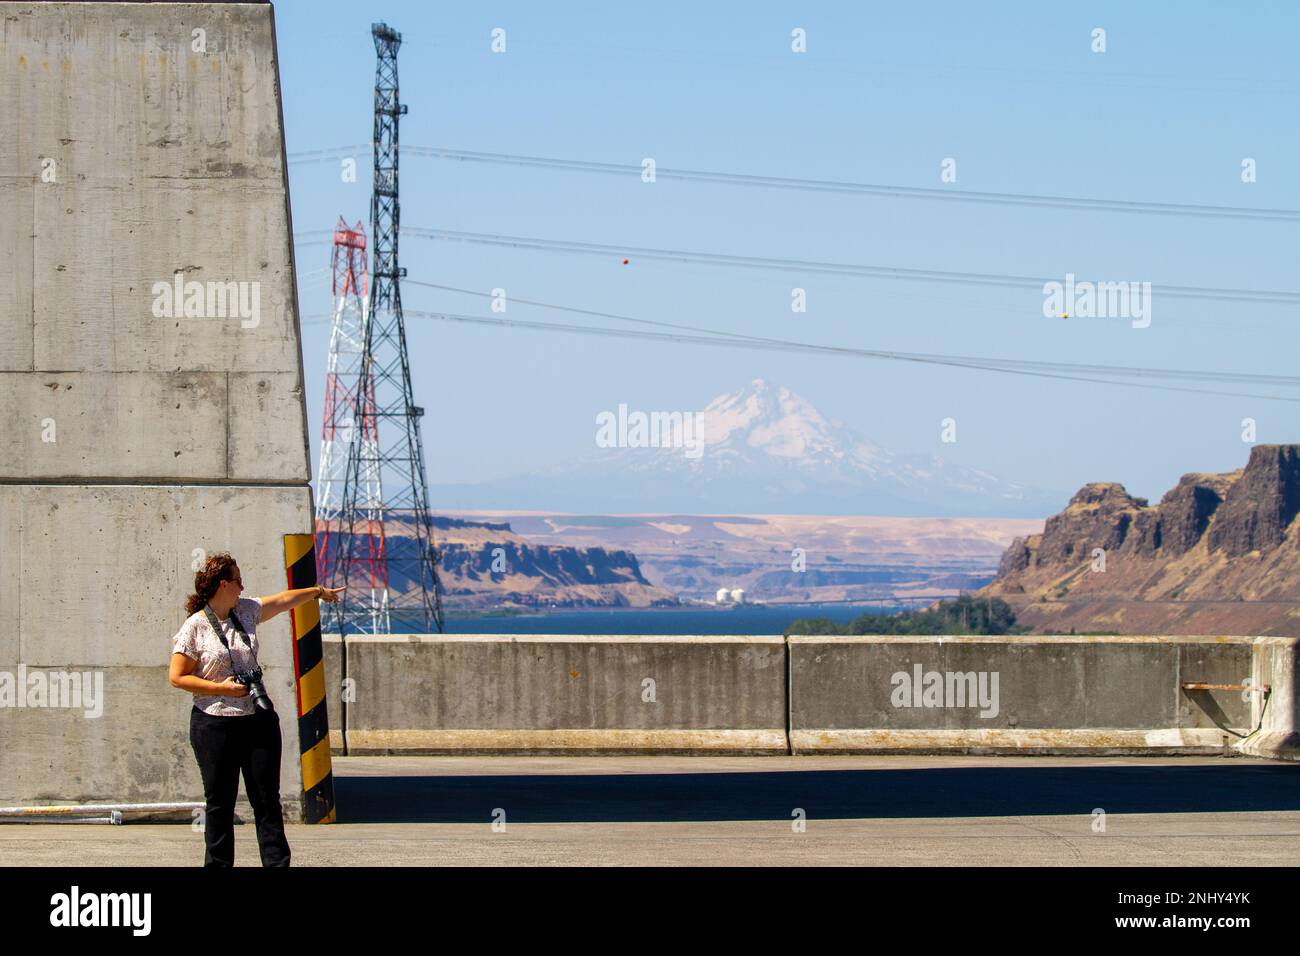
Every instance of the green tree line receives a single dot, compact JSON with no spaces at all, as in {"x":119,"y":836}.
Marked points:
{"x":965,"y":615}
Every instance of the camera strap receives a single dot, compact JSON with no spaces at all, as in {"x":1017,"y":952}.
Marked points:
{"x":234,"y":620}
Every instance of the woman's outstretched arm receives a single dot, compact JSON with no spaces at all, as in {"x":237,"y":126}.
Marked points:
{"x":273,"y":604}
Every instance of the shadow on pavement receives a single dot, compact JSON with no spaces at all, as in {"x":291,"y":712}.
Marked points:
{"x":1015,"y":790}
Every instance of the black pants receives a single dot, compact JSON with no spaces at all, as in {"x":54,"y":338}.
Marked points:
{"x":224,"y":746}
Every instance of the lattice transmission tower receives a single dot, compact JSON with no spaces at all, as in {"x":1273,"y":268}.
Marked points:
{"x":410,"y":558}
{"x":349,"y":418}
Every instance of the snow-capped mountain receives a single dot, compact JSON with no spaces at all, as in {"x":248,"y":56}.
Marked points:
{"x":760,"y":450}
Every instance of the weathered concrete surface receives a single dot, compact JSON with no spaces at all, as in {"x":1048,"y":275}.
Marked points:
{"x":118,"y":619}
{"x":173,"y":426}
{"x":739,"y":811}
{"x":1278,"y":717}
{"x":559,"y":694}
{"x":137,"y":438}
{"x":1060,"y":694}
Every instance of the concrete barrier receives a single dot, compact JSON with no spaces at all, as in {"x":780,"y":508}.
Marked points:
{"x":137,"y":436}
{"x":1278,"y":715}
{"x":1032,"y":695}
{"x":558,"y":694}
{"x":544,"y":694}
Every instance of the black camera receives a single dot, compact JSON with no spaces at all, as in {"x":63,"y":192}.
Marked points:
{"x":253,"y":681}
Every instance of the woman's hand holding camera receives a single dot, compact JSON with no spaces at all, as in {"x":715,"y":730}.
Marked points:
{"x":231,"y":688}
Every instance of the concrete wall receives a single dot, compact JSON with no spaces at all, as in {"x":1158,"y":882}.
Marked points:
{"x":558,"y":694}
{"x":1068,"y":694}
{"x":125,"y":157}
{"x":481,"y":694}
{"x":1278,"y":715}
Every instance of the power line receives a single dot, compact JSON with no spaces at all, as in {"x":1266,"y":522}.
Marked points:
{"x":1051,"y":370}
{"x":807,"y":265}
{"x":826,"y":185}
{"x":1005,"y":367}
{"x":1244,"y":378}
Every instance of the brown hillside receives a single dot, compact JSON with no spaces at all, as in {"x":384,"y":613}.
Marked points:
{"x":1220,"y":554}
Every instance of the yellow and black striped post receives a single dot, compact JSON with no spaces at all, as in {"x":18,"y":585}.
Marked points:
{"x":309,"y":674}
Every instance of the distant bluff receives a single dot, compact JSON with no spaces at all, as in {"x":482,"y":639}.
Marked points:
{"x":1220,"y":554}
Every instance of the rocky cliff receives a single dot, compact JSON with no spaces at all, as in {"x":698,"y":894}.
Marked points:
{"x":487,"y":565}
{"x":1220,"y":554}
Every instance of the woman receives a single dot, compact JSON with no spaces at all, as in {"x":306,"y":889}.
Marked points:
{"x":228,"y":732}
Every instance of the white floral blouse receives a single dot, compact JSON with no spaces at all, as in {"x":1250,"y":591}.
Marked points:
{"x":198,"y":641}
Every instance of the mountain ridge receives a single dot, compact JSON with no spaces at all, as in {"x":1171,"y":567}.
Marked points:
{"x":1220,"y":553}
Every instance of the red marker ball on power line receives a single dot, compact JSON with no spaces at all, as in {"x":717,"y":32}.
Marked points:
{"x":624,"y":262}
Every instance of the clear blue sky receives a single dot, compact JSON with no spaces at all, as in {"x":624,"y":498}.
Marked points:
{"x":1012,"y":91}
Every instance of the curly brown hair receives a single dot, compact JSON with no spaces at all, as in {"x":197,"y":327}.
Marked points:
{"x":215,"y":570}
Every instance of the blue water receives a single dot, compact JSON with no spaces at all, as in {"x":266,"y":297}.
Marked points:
{"x":747,"y":619}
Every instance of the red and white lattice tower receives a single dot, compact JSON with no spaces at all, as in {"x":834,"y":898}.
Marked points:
{"x":349,"y":420}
